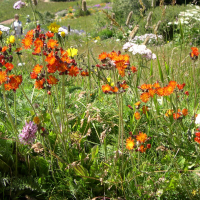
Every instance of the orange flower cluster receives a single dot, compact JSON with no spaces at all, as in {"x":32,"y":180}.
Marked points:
{"x":121,"y":87}
{"x":149,"y":90}
{"x":177,"y":115}
{"x":197,"y":138}
{"x":195,"y":53}
{"x":116,"y":60}
{"x":11,"y":82}
{"x":57,"y":59}
{"x":141,"y":138}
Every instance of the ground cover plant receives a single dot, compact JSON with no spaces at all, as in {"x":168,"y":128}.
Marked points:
{"x":91,"y":116}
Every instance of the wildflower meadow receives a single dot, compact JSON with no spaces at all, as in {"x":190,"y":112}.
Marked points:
{"x":100,"y":100}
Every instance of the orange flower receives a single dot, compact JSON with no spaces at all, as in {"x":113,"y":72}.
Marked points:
{"x":50,"y":58}
{"x":121,"y":66}
{"x":4,"y":48}
{"x":84,"y":73}
{"x":142,"y":137}
{"x":14,"y":82}
{"x":133,"y":69}
{"x":37,"y":69}
{"x":187,"y":93}
{"x":30,"y":34}
{"x":156,"y":85}
{"x":176,"y":116}
{"x":3,"y":77}
{"x":38,"y":43}
{"x":169,"y":113}
{"x":33,"y":75}
{"x":197,"y":139}
{"x":137,"y":103}
{"x":106,"y":88}
{"x":137,"y":115}
{"x":115,"y":89}
{"x":185,"y":111}
{"x":146,"y":86}
{"x":130,"y":143}
{"x":73,"y":71}
{"x":160,"y":91}
{"x":52,"y":43}
{"x":168,"y":90}
{"x":39,"y":84}
{"x":62,"y":67}
{"x":27,"y":42}
{"x":103,"y":56}
{"x":52,"y":68}
{"x":195,"y":52}
{"x":172,"y":83}
{"x":180,"y":86}
{"x":144,"y":97}
{"x":9,"y":66}
{"x":151,"y":92}
{"x":145,"y":109}
{"x":18,"y":49}
{"x":124,"y":86}
{"x":112,"y":55}
{"x":49,"y":34}
{"x":52,"y":80}
{"x":142,"y":149}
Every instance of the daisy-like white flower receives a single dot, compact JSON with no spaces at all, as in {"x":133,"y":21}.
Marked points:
{"x":18,"y":5}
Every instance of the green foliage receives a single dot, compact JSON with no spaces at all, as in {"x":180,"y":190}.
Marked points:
{"x":79,"y":12}
{"x":122,"y":8}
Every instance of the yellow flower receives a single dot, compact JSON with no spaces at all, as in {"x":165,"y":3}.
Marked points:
{"x":108,"y":79}
{"x":112,"y":84}
{"x":72,"y":52}
{"x":62,"y":34}
{"x":11,"y":39}
{"x":53,"y":27}
{"x":0,"y":33}
{"x":36,"y":120}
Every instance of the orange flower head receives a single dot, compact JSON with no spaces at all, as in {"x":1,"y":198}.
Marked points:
{"x":195,"y":52}
{"x":124,"y":86}
{"x":133,"y":69}
{"x":37,"y":69}
{"x":3,"y":77}
{"x":18,"y":49}
{"x":176,"y":116}
{"x":39,"y":84}
{"x":160,"y":91}
{"x":130,"y":143}
{"x":106,"y":88}
{"x":4,"y":48}
{"x":112,"y":55}
{"x":62,"y":67}
{"x":137,"y":103}
{"x":187,"y":93}
{"x":142,"y":137}
{"x":84,"y":73}
{"x":38,"y":43}
{"x":51,"y":59}
{"x":172,"y":83}
{"x":197,"y":139}
{"x":9,"y":66}
{"x":103,"y":56}
{"x":156,"y":85}
{"x":115,"y":89}
{"x":185,"y":111}
{"x":169,"y":113}
{"x":144,"y":97}
{"x":151,"y":92}
{"x":168,"y":90}
{"x":137,"y":115}
{"x":52,"y":43}
{"x":52,"y":80}
{"x":33,"y":75}
{"x":73,"y":71}
{"x":27,"y":42}
{"x":180,"y":86}
{"x":49,"y":34}
{"x":146,"y":86}
{"x":142,"y":149}
{"x":30,"y":34}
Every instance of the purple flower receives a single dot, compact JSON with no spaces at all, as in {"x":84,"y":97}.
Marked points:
{"x":28,"y":134}
{"x":18,"y":5}
{"x":97,"y":5}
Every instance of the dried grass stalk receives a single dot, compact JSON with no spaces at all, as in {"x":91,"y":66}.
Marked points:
{"x":156,"y":27}
{"x":129,"y":18}
{"x":133,"y":32}
{"x":113,"y":17}
{"x":84,"y":6}
{"x":146,"y":40}
{"x":148,"y":20}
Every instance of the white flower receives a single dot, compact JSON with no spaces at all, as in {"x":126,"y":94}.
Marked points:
{"x":197,"y":121}
{"x":169,"y":23}
{"x":117,"y":40}
{"x":61,"y":29}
